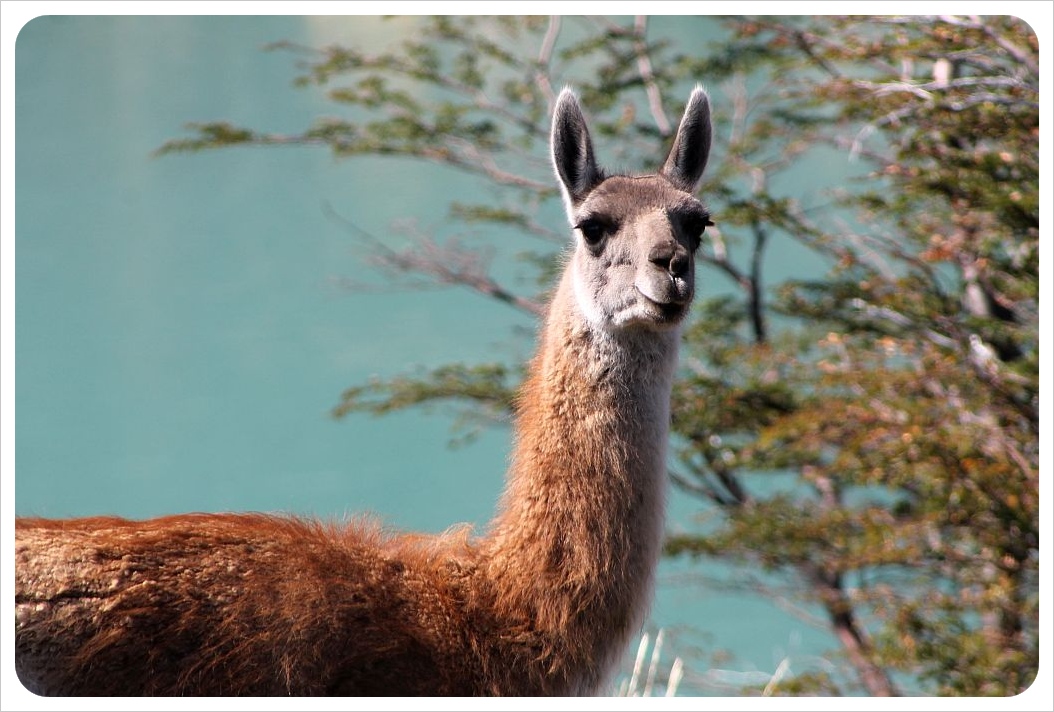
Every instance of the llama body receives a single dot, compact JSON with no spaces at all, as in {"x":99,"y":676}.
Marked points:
{"x":543,"y":602}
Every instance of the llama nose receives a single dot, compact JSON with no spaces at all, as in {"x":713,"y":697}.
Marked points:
{"x":671,"y":257}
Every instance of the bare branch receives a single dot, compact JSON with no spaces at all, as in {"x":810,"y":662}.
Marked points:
{"x":722,"y":263}
{"x":805,"y":42}
{"x":545,"y":53}
{"x":830,"y":591}
{"x":702,"y":489}
{"x":755,"y":291}
{"x":472,"y":159}
{"x":890,"y":316}
{"x":1021,"y":56}
{"x":926,"y":90}
{"x":640,"y":47}
{"x":447,"y":264}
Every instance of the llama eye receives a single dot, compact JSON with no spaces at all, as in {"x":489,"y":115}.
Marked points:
{"x":694,"y":227}
{"x":694,"y":231}
{"x":592,"y":230}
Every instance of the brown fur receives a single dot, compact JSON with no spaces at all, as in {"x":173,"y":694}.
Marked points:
{"x":215,"y":604}
{"x":543,"y":602}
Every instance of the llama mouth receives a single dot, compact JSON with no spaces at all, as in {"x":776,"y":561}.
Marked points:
{"x":665,"y":312}
{"x":667,"y":304}
{"x":671,"y":311}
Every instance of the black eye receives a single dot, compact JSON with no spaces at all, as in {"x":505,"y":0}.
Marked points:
{"x":593,"y":230}
{"x":694,"y":225}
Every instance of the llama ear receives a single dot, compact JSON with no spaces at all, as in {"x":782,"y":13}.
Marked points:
{"x":691,"y":148}
{"x":572,"y":151}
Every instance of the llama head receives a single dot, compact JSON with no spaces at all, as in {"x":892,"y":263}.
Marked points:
{"x":635,"y":236}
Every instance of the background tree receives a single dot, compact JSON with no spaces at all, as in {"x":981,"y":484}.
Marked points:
{"x":871,"y":434}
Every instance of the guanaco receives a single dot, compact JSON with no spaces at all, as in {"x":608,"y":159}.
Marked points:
{"x":543,"y":602}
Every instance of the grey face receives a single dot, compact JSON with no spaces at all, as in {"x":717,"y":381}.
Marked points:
{"x":634,"y":261}
{"x":636,"y":236}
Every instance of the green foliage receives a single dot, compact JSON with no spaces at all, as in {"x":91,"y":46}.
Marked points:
{"x":490,"y":388}
{"x":209,"y":135}
{"x":870,"y":433}
{"x":914,"y":458}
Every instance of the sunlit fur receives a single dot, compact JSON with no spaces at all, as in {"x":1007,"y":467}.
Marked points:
{"x":543,"y":602}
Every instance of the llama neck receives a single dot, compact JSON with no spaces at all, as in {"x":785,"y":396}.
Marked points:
{"x":576,"y":541}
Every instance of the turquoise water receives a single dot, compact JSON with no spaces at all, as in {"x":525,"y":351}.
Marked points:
{"x":181,"y":328}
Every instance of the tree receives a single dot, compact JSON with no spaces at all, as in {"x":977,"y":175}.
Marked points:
{"x":871,"y":434}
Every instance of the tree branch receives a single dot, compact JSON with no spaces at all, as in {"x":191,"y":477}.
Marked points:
{"x":446,"y":264}
{"x":843,"y":622}
{"x":756,"y":295}
{"x":545,"y":53}
{"x":1020,"y":56}
{"x":651,"y":87}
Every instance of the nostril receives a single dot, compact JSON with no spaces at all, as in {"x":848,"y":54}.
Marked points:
{"x":667,"y":257}
{"x":661,"y":255}
{"x":679,"y":264}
